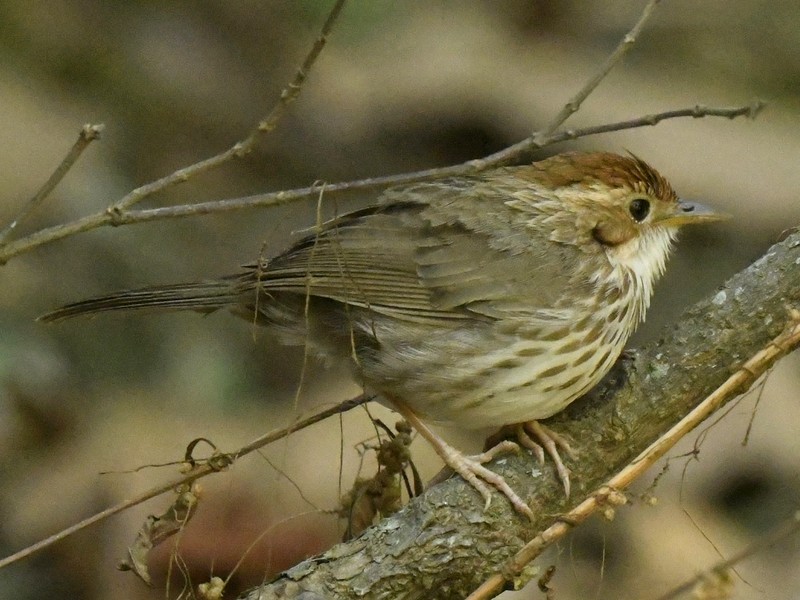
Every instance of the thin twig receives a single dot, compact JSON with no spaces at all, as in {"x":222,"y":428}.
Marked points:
{"x":201,"y":470}
{"x":789,"y":527}
{"x":112,"y":214}
{"x":535,"y":141}
{"x":288,"y":95}
{"x":736,"y":384}
{"x":87,"y":135}
{"x":621,"y":50}
{"x":114,"y":217}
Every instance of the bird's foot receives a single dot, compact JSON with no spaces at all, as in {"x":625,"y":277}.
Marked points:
{"x":546,"y":440}
{"x":472,"y":470}
{"x":470,"y":467}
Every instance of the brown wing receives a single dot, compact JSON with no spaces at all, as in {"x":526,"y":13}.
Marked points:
{"x":424,"y":253}
{"x":363,"y":259}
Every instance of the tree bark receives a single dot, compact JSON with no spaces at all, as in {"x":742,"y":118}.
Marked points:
{"x":443,"y":544}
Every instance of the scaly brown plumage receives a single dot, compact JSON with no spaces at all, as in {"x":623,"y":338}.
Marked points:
{"x":486,"y":300}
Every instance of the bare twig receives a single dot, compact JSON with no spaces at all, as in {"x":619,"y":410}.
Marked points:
{"x":87,"y":135}
{"x":537,"y":141}
{"x":200,"y":470}
{"x":621,"y":50}
{"x":788,"y":528}
{"x":288,"y":95}
{"x":113,"y":216}
{"x":735,"y":385}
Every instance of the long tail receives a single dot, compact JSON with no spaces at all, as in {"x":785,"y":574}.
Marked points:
{"x":203,"y":297}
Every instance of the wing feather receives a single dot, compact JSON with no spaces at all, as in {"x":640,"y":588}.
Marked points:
{"x":420,"y":255}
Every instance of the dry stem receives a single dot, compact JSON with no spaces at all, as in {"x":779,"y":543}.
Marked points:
{"x":87,"y":135}
{"x":116,"y":216}
{"x":624,"y":46}
{"x":217,"y":463}
{"x":112,"y":214}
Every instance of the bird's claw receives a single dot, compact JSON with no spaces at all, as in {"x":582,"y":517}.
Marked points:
{"x":548,"y":441}
{"x":478,"y":476}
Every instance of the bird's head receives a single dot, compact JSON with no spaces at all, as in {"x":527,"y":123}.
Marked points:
{"x":618,"y":197}
{"x":620,"y":202}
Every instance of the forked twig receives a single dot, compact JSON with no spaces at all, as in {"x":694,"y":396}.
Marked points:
{"x":624,"y":46}
{"x":239,"y":149}
{"x":116,"y":217}
{"x":736,"y":384}
{"x":109,"y":215}
{"x":87,"y":135}
{"x":537,"y":141}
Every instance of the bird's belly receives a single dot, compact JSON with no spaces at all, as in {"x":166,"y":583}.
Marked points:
{"x":497,"y":405}
{"x":516,"y":380}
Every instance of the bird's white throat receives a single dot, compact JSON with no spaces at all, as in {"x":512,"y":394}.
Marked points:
{"x":643,"y":258}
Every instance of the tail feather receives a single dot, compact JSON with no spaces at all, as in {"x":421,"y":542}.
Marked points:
{"x":203,"y":296}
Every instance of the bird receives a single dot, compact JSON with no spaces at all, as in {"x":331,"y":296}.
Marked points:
{"x":483,"y":300}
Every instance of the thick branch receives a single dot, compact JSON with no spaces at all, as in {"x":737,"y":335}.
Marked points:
{"x":443,"y":545}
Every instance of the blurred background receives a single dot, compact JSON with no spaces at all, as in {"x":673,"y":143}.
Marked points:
{"x":401,"y":86}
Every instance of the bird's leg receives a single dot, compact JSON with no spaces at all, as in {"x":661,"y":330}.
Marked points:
{"x":551,"y":441}
{"x":469,"y":467}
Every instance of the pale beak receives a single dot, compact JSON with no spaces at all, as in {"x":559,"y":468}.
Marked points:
{"x":688,"y":213}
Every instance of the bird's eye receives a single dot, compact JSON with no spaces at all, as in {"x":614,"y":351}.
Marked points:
{"x":639,"y":209}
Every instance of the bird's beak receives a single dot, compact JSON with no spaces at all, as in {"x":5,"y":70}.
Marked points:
{"x":688,"y":213}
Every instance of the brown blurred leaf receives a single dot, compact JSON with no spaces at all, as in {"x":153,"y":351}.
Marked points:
{"x":157,"y":529}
